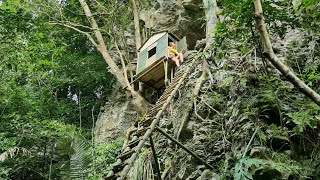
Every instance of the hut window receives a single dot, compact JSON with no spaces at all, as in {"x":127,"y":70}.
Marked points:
{"x":152,"y":52}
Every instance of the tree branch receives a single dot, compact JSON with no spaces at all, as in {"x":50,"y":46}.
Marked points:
{"x":103,"y":49}
{"x":121,"y":59}
{"x":268,"y":51}
{"x":78,"y":30}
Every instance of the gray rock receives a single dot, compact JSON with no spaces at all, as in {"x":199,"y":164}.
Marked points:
{"x":113,"y":121}
{"x":180,"y":17}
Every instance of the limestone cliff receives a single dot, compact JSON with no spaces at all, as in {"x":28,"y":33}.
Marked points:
{"x":181,"y":17}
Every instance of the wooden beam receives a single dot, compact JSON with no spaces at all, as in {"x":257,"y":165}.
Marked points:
{"x":165,"y":73}
{"x":161,"y":79}
{"x":184,"y":148}
{"x":148,"y":69}
{"x":154,"y":152}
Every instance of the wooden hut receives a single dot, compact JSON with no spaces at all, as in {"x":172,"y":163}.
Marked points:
{"x":153,"y":67}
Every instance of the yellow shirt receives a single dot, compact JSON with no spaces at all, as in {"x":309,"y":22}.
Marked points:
{"x":172,"y":51}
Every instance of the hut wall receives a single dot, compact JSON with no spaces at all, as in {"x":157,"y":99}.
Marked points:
{"x":162,"y":47}
{"x":142,"y":57}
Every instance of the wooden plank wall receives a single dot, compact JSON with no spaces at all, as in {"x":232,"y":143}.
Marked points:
{"x":161,"y":51}
{"x":162,"y":47}
{"x":142,"y":58}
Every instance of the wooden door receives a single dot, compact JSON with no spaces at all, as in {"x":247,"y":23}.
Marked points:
{"x":182,"y":44}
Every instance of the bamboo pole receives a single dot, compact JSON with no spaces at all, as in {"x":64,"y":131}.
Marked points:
{"x":184,"y":148}
{"x":154,"y":152}
{"x":268,"y":51}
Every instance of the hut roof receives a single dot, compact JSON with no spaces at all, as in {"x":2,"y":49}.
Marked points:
{"x":154,"y":38}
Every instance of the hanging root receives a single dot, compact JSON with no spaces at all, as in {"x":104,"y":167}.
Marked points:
{"x":130,"y":130}
{"x":200,"y":81}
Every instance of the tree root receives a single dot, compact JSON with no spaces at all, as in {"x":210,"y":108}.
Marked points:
{"x":130,"y":130}
{"x":200,"y":81}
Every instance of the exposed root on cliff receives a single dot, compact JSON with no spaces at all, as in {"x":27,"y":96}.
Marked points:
{"x":200,"y":81}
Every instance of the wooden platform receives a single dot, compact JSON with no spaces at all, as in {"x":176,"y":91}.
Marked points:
{"x":154,"y":75}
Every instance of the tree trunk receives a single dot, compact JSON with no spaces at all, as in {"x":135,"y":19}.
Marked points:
{"x":137,"y":34}
{"x":268,"y":51}
{"x":124,"y":68}
{"x":210,"y":7}
{"x":139,"y":103}
{"x":102,"y":46}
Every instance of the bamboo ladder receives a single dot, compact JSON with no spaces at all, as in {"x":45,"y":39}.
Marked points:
{"x":126,"y":158}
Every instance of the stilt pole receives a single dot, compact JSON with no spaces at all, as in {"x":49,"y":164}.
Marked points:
{"x":155,"y":158}
{"x":184,"y":148}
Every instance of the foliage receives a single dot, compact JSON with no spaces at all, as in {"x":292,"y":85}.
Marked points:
{"x":53,"y":82}
{"x":143,"y":170}
{"x":50,"y":79}
{"x":279,"y":167}
{"x":307,"y":116}
{"x":103,"y":156}
{"x":12,"y":152}
{"x":261,"y":97}
{"x":307,"y":13}
{"x":312,"y":76}
{"x":244,"y":165}
{"x":73,"y":146}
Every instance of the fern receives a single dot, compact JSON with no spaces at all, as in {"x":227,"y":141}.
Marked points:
{"x":74,"y":146}
{"x":304,"y":117}
{"x":247,"y":167}
{"x":244,"y":168}
{"x":78,"y":160}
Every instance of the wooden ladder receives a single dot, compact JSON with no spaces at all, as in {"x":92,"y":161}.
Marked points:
{"x":126,"y":158}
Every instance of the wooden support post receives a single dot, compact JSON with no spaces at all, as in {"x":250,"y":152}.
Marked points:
{"x":183,"y":147}
{"x":172,"y":72}
{"x":166,"y":72}
{"x":155,"y":158}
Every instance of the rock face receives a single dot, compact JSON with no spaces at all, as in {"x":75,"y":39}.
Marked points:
{"x":181,"y":17}
{"x":113,"y":120}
